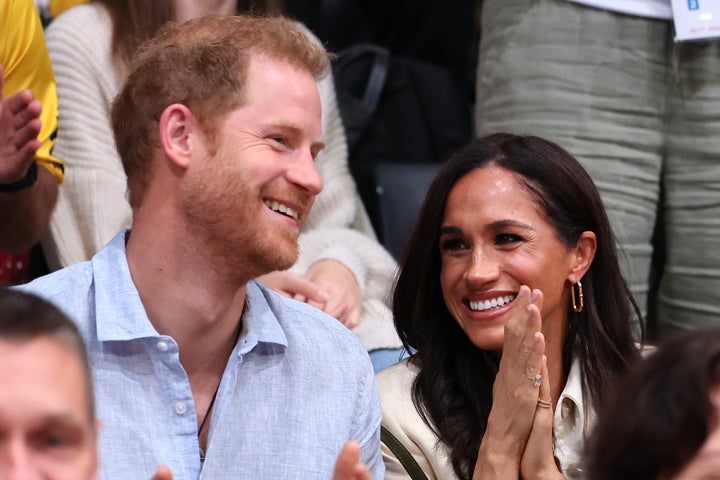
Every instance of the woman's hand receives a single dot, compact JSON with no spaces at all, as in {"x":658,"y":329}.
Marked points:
{"x":328,"y":285}
{"x":538,"y":461}
{"x":515,"y":391}
{"x":343,"y":291}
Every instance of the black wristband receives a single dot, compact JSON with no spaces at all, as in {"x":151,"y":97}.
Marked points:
{"x":27,"y":181}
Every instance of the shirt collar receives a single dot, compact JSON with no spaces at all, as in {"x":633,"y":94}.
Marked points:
{"x":570,"y":416}
{"x":121,"y":315}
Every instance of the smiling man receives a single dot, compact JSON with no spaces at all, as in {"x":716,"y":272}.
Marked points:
{"x":197,"y":366}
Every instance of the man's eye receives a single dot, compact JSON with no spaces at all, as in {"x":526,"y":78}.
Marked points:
{"x":57,"y":440}
{"x":54,"y":441}
{"x":279,"y":139}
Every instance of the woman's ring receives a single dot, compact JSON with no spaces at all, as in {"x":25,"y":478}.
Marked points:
{"x":544,"y":404}
{"x":537,"y":380}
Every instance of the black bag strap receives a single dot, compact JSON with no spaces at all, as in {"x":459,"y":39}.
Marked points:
{"x":380,"y":57}
{"x":401,"y":453}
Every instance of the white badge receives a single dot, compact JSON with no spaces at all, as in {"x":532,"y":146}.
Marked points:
{"x":696,"y":19}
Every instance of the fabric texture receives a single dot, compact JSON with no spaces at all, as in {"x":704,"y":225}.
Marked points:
{"x":297,"y":386}
{"x":571,"y":423}
{"x":26,"y":64}
{"x":642,"y":115}
{"x":92,"y":207}
{"x":643,"y":8}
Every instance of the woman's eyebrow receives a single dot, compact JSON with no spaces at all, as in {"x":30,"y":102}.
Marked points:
{"x":500,"y":224}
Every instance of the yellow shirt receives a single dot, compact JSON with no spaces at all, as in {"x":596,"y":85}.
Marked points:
{"x":26,"y":64}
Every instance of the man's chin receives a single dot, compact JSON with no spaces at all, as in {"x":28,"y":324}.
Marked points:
{"x":282,"y":258}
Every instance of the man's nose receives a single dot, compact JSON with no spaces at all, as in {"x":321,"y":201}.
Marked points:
{"x":16,"y":462}
{"x":304,"y":174}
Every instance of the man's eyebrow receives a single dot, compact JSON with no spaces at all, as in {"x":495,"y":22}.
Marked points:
{"x":61,"y":420}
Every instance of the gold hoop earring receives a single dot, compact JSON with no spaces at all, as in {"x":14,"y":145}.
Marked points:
{"x":577,"y":302}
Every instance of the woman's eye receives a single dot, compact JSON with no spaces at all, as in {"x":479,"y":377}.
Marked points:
{"x":452,"y":245}
{"x":506,"y":238}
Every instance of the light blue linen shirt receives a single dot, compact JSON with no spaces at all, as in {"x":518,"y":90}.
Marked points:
{"x":296,"y":387}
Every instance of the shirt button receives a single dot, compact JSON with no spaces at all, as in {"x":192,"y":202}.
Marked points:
{"x":162,"y":346}
{"x":180,"y":408}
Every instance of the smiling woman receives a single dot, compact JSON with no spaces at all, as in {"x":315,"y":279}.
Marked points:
{"x":509,"y":367}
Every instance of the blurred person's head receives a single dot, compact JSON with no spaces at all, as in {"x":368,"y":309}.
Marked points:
{"x":47,"y":417}
{"x":664,"y":421}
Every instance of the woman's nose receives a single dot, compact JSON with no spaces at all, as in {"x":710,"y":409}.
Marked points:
{"x":482,"y":268}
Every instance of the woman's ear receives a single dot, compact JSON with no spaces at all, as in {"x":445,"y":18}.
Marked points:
{"x":176,"y":129}
{"x":584,"y":253}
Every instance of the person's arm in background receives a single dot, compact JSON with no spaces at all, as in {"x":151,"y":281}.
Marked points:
{"x":92,"y":205}
{"x":342,"y":267}
{"x":29,"y":175}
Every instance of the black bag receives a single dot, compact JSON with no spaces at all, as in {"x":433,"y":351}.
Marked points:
{"x":396,"y":110}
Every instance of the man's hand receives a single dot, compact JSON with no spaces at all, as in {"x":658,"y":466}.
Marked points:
{"x":348,"y":465}
{"x":19,"y":127}
{"x":162,"y":473}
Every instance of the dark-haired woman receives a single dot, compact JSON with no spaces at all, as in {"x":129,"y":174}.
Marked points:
{"x":511,"y":296}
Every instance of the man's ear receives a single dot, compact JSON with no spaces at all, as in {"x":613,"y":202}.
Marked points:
{"x":177,"y":129}
{"x":584,"y":253}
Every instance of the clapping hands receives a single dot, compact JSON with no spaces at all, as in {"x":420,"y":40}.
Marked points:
{"x":518,"y":439}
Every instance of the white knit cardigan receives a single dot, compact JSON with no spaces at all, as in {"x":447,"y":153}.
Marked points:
{"x":92,"y":206}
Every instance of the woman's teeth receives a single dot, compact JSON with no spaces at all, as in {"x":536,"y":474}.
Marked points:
{"x":488,"y":304}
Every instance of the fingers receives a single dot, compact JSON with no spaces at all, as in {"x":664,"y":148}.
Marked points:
{"x":162,"y":473}
{"x":348,"y":465}
{"x":545,"y":402}
{"x":534,"y":343}
{"x":19,"y":128}
{"x":524,"y":343}
{"x":336,"y":308}
{"x":353,"y":318}
{"x":27,"y":132}
{"x":294,"y":286}
{"x":538,"y":457}
{"x":22,"y":106}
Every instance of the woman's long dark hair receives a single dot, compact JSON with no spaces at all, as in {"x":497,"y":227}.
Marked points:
{"x":453,"y":391}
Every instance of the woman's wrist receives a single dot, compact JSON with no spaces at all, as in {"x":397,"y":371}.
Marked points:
{"x":495,"y":464}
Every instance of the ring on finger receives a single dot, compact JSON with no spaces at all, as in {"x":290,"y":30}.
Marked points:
{"x":544,"y":403}
{"x":537,"y":379}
